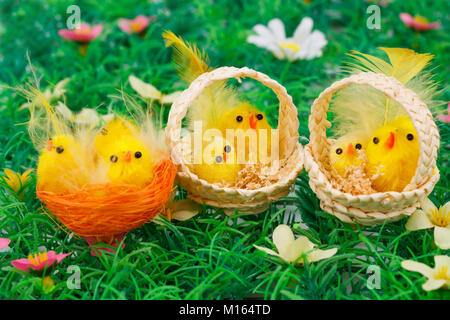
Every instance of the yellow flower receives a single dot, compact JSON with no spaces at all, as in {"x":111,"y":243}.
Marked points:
{"x":148,"y":91}
{"x":17,"y":181}
{"x":180,"y":210}
{"x":432,"y":217}
{"x":291,"y":249}
{"x":439,"y":277}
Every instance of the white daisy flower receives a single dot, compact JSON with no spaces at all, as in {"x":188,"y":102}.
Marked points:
{"x":304,"y":44}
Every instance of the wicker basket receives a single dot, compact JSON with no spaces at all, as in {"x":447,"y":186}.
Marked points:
{"x":103,"y":211}
{"x":383,"y":206}
{"x":230,"y":199}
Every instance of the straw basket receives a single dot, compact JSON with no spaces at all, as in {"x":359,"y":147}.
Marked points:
{"x":242,"y":200}
{"x":106,"y":210}
{"x":377,"y":207}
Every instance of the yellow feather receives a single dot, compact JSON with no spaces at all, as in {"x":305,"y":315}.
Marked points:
{"x":351,"y":105}
{"x":215,"y":100}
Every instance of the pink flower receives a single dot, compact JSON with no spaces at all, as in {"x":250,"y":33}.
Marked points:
{"x":38,"y":261}
{"x":83,"y":34}
{"x":417,"y":22}
{"x":137,"y":25}
{"x":94,"y":241}
{"x":4,"y":242}
{"x":445,"y":117}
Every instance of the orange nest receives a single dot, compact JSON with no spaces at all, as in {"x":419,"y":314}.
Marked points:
{"x":105,"y":210}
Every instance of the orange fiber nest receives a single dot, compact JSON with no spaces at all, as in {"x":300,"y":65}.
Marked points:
{"x":105,"y":210}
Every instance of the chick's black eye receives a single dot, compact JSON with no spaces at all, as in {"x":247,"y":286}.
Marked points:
{"x":113,"y":158}
{"x":259,"y":116}
{"x":338,"y":151}
{"x":376,"y":140}
{"x":410,"y":136}
{"x":227,"y":149}
{"x":59,"y":149}
{"x":358,"y":146}
{"x":218,"y":159}
{"x":138,"y":154}
{"x":239,"y":118}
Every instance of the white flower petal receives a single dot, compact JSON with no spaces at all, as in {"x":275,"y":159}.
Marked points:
{"x":185,"y":209}
{"x":446,"y":207}
{"x":433,"y":284}
{"x":297,"y":248}
{"x":264,"y":32}
{"x":266,"y":44}
{"x":170,"y":98}
{"x":146,"y":90}
{"x":418,"y":220}
{"x":267,"y":250}
{"x":277,"y":28}
{"x":303,"y":30}
{"x":420,"y":267}
{"x":427,"y":205}
{"x":442,"y":237}
{"x":86,"y":116}
{"x":283,"y":237}
{"x":442,"y":260}
{"x":319,"y":254}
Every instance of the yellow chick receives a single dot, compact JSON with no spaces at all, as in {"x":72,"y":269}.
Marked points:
{"x":63,"y":165}
{"x":393,"y":153}
{"x":128,"y":157}
{"x":348,"y":151}
{"x":219,"y":164}
{"x":130,"y":162}
{"x":218,"y":107}
{"x":111,"y":133}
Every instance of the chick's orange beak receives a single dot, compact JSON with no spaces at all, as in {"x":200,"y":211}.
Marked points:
{"x":253,"y":122}
{"x":350,"y":150}
{"x":127,"y":157}
{"x":224,"y":156}
{"x":390,"y":141}
{"x":49,"y":145}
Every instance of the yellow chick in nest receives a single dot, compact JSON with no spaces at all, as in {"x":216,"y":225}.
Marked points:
{"x":219,"y":164}
{"x":127,"y":156}
{"x":114,"y":130}
{"x":393,"y":153}
{"x":130,"y":162}
{"x":347,"y":152}
{"x":218,"y":106}
{"x":62,"y":165}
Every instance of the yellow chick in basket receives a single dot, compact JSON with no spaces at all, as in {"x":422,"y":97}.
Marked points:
{"x":218,"y":163}
{"x":392,"y":150}
{"x":219,"y":106}
{"x":63,"y":165}
{"x":393,"y":153}
{"x":348,"y":151}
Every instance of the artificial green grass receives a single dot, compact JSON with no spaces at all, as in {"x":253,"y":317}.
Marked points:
{"x":210,"y":256}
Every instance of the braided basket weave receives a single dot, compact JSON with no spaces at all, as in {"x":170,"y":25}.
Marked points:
{"x":377,"y":207}
{"x":228,"y":198}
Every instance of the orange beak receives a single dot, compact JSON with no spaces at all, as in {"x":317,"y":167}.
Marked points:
{"x":49,"y":145}
{"x":390,"y":141}
{"x":224,"y":156}
{"x":350,"y":150}
{"x":253,"y":122}
{"x":127,"y":157}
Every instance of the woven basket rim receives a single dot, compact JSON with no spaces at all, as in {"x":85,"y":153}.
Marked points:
{"x":428,"y":145}
{"x":288,"y":125}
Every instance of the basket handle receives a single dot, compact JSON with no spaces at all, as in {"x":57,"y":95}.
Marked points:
{"x":417,"y":110}
{"x":287,"y":124}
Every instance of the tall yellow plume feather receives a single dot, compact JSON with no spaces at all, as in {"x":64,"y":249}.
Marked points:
{"x":216,"y":99}
{"x":352,"y":106}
